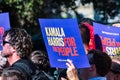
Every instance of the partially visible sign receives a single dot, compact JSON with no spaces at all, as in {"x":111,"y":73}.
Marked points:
{"x":107,"y":39}
{"x":4,"y":25}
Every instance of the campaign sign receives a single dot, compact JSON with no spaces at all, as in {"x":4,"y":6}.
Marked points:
{"x":107,"y":39}
{"x":4,"y":25}
{"x":63,"y":41}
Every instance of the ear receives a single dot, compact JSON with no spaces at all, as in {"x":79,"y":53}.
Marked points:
{"x":92,"y":68}
{"x":13,"y":50}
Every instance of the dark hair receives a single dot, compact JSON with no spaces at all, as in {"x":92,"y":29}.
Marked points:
{"x":85,"y":34}
{"x":21,"y":40}
{"x":40,"y":58}
{"x":62,"y":74}
{"x":88,"y":20}
{"x":12,"y":73}
{"x":115,"y":68}
{"x":101,"y":60}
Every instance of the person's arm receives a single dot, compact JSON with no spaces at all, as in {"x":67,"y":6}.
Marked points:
{"x":116,"y":25}
{"x":72,"y":73}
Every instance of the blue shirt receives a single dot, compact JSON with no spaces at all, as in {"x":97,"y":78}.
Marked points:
{"x":98,"y":78}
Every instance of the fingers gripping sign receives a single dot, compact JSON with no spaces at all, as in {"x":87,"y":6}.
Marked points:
{"x":72,"y":73}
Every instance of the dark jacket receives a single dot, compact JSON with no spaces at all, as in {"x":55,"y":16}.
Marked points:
{"x":26,"y":67}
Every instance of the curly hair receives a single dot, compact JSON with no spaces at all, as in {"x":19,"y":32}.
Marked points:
{"x":21,"y":40}
{"x":40,"y":58}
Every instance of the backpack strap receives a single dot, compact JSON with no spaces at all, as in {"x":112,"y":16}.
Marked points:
{"x":50,"y":77}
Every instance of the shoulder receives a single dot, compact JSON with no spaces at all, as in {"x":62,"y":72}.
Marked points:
{"x":25,"y":65}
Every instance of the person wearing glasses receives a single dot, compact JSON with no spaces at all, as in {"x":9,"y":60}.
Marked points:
{"x":17,"y":46}
{"x":100,"y":64}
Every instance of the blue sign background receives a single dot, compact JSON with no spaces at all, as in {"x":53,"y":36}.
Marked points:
{"x":4,"y":25}
{"x":110,"y":38}
{"x":71,"y":29}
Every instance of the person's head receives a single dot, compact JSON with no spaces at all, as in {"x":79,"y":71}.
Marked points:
{"x":17,"y":41}
{"x":100,"y":64}
{"x":12,"y":74}
{"x":85,"y":34}
{"x":114,"y":73}
{"x":40,"y":58}
{"x":88,"y":20}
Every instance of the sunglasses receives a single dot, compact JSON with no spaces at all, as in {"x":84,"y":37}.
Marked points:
{"x":4,"y":42}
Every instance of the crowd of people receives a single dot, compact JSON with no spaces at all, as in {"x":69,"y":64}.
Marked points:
{"x":25,"y":64}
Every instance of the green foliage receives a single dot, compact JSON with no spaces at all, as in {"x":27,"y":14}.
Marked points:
{"x":105,"y":9}
{"x":25,"y":13}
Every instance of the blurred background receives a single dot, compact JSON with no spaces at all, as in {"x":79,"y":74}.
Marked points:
{"x":25,"y":13}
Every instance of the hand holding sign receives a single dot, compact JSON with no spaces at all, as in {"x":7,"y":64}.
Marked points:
{"x":63,"y":41}
{"x":71,"y":71}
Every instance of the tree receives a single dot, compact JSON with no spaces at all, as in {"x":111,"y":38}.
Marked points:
{"x":108,"y":9}
{"x":25,"y":13}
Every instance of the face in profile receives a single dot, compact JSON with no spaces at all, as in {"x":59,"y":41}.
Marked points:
{"x":7,"y":47}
